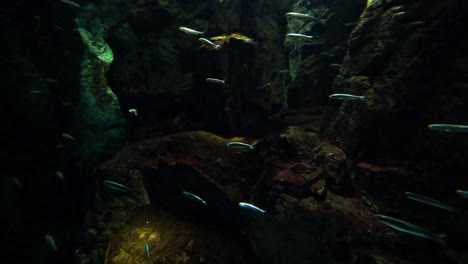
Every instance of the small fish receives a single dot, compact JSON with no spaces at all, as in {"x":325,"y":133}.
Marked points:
{"x":70,"y":3}
{"x":117,"y":186}
{"x":449,"y":128}
{"x":298,"y":35}
{"x":213,"y":80}
{"x":283,"y":71}
{"x":263,"y":86}
{"x":59,"y":174}
{"x":429,"y":201}
{"x":335,"y":65}
{"x":133,"y":111}
{"x":411,"y":229}
{"x":462,"y":194}
{"x":35,"y":92}
{"x":59,"y":27}
{"x":67,"y":137}
{"x":147,"y":251}
{"x":346,"y":97}
{"x":351,"y":24}
{"x":305,"y":16}
{"x":235,"y":144}
{"x":211,"y":45}
{"x":17,"y":183}
{"x":251,"y":207}
{"x":51,"y":241}
{"x":193,"y":197}
{"x":61,"y":146}
{"x":190,"y":31}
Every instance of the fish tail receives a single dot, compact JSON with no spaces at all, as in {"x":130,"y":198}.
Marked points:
{"x":362,"y":97}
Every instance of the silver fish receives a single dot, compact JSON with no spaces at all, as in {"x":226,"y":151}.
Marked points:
{"x":335,"y":65}
{"x":462,"y":194}
{"x":70,"y":3}
{"x":305,"y":16}
{"x":213,"y":80}
{"x":17,"y":182}
{"x":263,"y":86}
{"x":193,"y":197}
{"x":449,"y":128}
{"x":147,"y":251}
{"x":117,"y":186}
{"x":50,"y":241}
{"x":190,"y":31}
{"x":133,"y":111}
{"x":347,"y":97}
{"x":210,"y":44}
{"x":411,"y":229}
{"x":429,"y":201}
{"x":59,"y":175}
{"x":67,"y":137}
{"x":251,"y":207}
{"x":298,"y":35}
{"x":235,"y":144}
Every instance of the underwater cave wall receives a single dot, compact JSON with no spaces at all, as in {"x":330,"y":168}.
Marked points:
{"x":409,"y":59}
{"x":100,"y":124}
{"x":162,"y":72}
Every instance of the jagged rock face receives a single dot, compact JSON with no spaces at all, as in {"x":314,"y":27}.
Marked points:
{"x":408,"y":60}
{"x":322,"y":56}
{"x":162,"y":72}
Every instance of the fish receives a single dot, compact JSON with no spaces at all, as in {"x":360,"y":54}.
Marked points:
{"x":462,"y":194}
{"x":70,"y":3}
{"x":335,"y":65}
{"x":133,"y":111}
{"x":449,"y":128}
{"x":51,"y":241}
{"x":209,"y":44}
{"x":193,"y":197}
{"x":59,"y":174}
{"x":235,"y":144}
{"x":283,"y":71}
{"x":147,"y":251}
{"x":35,"y":92}
{"x":117,"y":186}
{"x":61,"y":146}
{"x":213,"y":80}
{"x":298,"y":35}
{"x":59,"y":27}
{"x":251,"y":207}
{"x":346,"y":97}
{"x":17,"y":182}
{"x":429,"y":201}
{"x":191,"y":31}
{"x":351,"y":24}
{"x":263,"y":86}
{"x":305,"y":16}
{"x":67,"y":137}
{"x":411,"y":229}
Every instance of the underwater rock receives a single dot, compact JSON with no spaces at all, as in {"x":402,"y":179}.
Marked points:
{"x":101,"y":124}
{"x":172,"y":239}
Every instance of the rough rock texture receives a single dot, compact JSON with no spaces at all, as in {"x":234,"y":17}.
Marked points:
{"x":408,"y":61}
{"x":100,"y":128}
{"x":294,"y":176}
{"x":162,"y":72}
